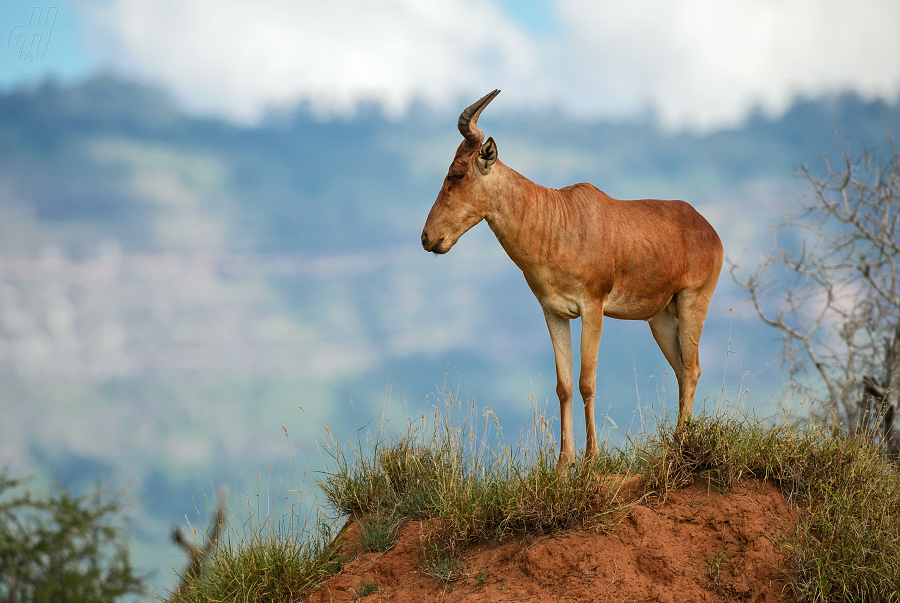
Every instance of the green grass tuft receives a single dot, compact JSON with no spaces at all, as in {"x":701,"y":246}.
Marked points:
{"x":715,"y":564}
{"x":441,"y":563}
{"x":269,"y":569}
{"x":379,"y":532}
{"x":366,"y":588}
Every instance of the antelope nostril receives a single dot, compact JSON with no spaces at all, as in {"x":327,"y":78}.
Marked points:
{"x":424,"y":240}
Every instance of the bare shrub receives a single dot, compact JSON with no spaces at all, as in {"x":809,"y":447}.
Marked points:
{"x":829,"y":286}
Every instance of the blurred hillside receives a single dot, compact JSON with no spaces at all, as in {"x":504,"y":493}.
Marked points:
{"x":173,"y":288}
{"x":137,"y":239}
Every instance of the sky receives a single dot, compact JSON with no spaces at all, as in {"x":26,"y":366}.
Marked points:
{"x":698,"y":64}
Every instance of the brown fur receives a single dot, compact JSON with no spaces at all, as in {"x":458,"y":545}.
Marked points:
{"x":586,"y":254}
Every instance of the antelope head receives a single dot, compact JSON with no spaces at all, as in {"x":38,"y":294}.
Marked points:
{"x":462,"y":202}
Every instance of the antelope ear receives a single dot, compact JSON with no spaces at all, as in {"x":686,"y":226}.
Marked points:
{"x":487,"y":156}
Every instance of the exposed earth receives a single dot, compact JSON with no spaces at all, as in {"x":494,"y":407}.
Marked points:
{"x":699,"y":545}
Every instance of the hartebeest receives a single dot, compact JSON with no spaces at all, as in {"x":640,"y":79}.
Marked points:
{"x":586,"y":254}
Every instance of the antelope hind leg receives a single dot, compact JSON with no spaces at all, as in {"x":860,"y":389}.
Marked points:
{"x":664,"y":327}
{"x":692,"y":309}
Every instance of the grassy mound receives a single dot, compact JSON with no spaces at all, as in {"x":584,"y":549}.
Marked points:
{"x":460,"y":475}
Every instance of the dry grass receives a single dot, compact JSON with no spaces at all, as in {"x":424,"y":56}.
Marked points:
{"x":462,"y":475}
{"x":455,"y":469}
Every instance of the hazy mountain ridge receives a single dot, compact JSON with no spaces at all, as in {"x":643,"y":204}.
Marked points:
{"x":300,"y":184}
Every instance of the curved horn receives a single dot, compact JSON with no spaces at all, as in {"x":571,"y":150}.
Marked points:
{"x":468,"y":120}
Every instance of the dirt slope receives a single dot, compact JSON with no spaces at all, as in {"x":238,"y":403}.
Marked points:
{"x":699,"y":546}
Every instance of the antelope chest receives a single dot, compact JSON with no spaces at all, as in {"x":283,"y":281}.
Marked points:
{"x":556,"y":299}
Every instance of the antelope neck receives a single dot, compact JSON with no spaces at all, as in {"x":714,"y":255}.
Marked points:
{"x":521,"y":214}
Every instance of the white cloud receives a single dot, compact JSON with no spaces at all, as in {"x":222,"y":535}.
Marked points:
{"x":239,"y":58}
{"x":697,"y":62}
{"x":705,"y":62}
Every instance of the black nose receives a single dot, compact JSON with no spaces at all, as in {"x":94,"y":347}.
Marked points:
{"x":424,"y":241}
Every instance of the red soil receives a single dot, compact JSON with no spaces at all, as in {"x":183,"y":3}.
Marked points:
{"x":659,"y":553}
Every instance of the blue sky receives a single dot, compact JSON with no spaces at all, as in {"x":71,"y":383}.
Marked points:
{"x":696,"y":63}
{"x":66,"y":57}
{"x":536,"y":16}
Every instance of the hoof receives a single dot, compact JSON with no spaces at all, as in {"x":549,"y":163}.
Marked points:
{"x":562,"y":466}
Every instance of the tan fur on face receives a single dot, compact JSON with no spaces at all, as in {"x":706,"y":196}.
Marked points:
{"x":586,"y":254}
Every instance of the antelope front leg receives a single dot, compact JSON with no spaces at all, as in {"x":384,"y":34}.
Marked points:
{"x":591,"y":327}
{"x":561,"y":337}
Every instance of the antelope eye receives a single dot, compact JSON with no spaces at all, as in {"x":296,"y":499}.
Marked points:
{"x":456,"y":176}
